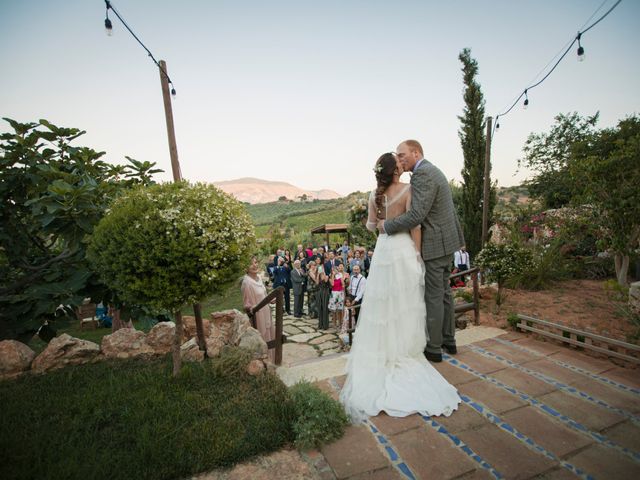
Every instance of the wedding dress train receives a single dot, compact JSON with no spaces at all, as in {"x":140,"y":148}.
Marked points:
{"x":386,"y":368}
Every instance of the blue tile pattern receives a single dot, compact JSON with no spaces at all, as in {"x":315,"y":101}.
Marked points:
{"x":529,"y":442}
{"x":600,"y":378}
{"x":599,"y":438}
{"x":462,"y":446}
{"x":556,"y":383}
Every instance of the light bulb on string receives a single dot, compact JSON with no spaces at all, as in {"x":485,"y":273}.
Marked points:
{"x":108,"y":26}
{"x":526,"y":101}
{"x":173,"y":92}
{"x":580,"y":49}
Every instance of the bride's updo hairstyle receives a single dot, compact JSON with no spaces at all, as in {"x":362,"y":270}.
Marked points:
{"x":385,"y":168}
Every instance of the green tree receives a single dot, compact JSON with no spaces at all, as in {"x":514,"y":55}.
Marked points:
{"x":605,"y":173}
{"x":170,"y":245}
{"x":358,"y":214}
{"x":548,"y":156}
{"x":473,"y":141}
{"x":52,"y":194}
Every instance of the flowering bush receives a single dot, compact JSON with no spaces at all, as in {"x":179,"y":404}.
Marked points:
{"x":357,"y":218}
{"x":504,"y":262}
{"x":173,"y":244}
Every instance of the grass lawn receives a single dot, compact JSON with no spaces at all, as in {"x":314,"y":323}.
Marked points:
{"x":131,"y":419}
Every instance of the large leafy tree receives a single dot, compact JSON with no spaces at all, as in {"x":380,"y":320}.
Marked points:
{"x":473,"y":141}
{"x":548,"y":154}
{"x":605,"y":173}
{"x":52,"y":194}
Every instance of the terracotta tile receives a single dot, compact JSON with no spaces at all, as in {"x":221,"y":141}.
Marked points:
{"x":508,"y":456}
{"x":591,"y":416}
{"x":387,"y":473}
{"x":356,"y":452}
{"x":494,"y":397}
{"x":625,"y":376}
{"x":453,"y":374}
{"x":602,"y":462}
{"x":545,"y":348}
{"x":479,"y":363}
{"x":580,"y":360}
{"x":545,"y":431}
{"x":516,"y":356}
{"x":393,"y":425}
{"x":556,"y":372}
{"x":523,"y":382}
{"x":626,"y":434}
{"x":613,"y":396}
{"x":465,"y":418}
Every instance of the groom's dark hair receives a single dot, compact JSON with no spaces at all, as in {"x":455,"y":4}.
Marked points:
{"x":414,"y":145}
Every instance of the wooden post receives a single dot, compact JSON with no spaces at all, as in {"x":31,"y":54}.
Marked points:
{"x":197,"y":312}
{"x":279,"y":310}
{"x":177,"y":343}
{"x":168,"y":113}
{"x":487,"y":183}
{"x":476,"y":298}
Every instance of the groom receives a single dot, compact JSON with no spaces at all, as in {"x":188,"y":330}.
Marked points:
{"x":432,"y":208}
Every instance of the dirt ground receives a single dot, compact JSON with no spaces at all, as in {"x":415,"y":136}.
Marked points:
{"x":584,"y":304}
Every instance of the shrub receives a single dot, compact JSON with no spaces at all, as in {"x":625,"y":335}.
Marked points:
{"x":126,"y":419}
{"x":171,"y":244}
{"x":547,"y":266}
{"x":319,"y":418}
{"x":504,"y":262}
{"x":513,"y":320}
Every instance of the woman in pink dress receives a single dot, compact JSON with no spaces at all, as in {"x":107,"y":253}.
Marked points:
{"x":253,"y":292}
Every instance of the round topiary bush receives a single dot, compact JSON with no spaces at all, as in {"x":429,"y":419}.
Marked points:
{"x":172,"y":244}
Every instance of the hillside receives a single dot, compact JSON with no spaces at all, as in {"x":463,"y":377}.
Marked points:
{"x":255,"y":190}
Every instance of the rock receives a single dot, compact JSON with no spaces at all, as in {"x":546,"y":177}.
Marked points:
{"x":189,"y":327}
{"x":291,"y":330}
{"x":190,"y":352}
{"x":253,"y":341}
{"x":329,"y":344}
{"x":65,"y":350}
{"x":321,"y":339}
{"x":230,"y":325}
{"x":303,"y":337}
{"x":255,"y":367}
{"x":214,"y":346}
{"x":160,"y":338}
{"x":15,"y":358}
{"x":126,"y":343}
{"x":634,"y":298}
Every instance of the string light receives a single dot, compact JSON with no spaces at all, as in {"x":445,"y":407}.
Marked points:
{"x":580,"y":58}
{"x":109,"y":28}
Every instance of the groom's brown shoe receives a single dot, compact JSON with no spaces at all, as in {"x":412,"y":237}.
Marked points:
{"x":433,"y":357}
{"x":451,"y":349}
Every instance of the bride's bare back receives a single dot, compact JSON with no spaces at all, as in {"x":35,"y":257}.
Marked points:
{"x":396,"y":202}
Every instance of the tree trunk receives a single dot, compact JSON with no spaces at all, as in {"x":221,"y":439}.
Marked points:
{"x":197,"y":312}
{"x":622,"y":268}
{"x":116,"y":321}
{"x":177,"y":343}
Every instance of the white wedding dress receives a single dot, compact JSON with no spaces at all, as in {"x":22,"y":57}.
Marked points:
{"x":386,"y":368}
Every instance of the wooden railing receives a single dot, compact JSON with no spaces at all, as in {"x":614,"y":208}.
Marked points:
{"x":278,"y":294}
{"x":475,"y":305}
{"x":578,"y":338}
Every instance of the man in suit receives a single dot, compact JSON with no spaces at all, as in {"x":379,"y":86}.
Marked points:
{"x":297,"y":281}
{"x":282,"y":278}
{"x":432,"y":208}
{"x":330,"y":263}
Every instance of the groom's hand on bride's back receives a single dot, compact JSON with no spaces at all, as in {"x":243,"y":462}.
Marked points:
{"x":381,"y":226}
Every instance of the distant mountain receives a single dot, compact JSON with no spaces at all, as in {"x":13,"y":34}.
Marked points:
{"x":255,"y":190}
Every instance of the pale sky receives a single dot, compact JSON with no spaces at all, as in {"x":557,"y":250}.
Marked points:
{"x":310,"y":92}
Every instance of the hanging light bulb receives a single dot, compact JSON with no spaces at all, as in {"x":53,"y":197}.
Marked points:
{"x":497,"y":125}
{"x":526,"y":100}
{"x":580,"y":49}
{"x":108,"y":26}
{"x":173,"y":92}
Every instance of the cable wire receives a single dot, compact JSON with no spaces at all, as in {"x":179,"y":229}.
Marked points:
{"x":576,"y":39}
{"x":111,"y":7}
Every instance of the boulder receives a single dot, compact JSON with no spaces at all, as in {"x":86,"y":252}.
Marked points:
{"x":214,"y":346}
{"x":253,"y":341}
{"x":189,"y":327}
{"x":15,"y":358}
{"x":634,"y":298}
{"x":126,"y":343}
{"x":160,"y":338}
{"x":230,"y":325}
{"x":189,"y":351}
{"x":255,"y":367}
{"x":65,"y":350}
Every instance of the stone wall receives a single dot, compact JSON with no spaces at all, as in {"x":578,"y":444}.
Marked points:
{"x":226,"y":328}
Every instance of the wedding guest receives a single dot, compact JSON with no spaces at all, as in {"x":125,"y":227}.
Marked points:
{"x":367,"y":262}
{"x":270,"y":267}
{"x":297,"y":280}
{"x":355,"y":261}
{"x":309,"y":250}
{"x":336,"y":302}
{"x":356,"y":289}
{"x":344,"y":330}
{"x":287,"y":258}
{"x":282,"y":278}
{"x":313,"y":278}
{"x":344,"y":251}
{"x":461,"y":259}
{"x":322,"y":299}
{"x":330,"y":263}
{"x":253,"y":292}
{"x":300,"y":251}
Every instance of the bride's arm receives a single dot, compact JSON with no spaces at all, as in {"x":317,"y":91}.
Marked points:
{"x":416,"y":232}
{"x":372,"y":221}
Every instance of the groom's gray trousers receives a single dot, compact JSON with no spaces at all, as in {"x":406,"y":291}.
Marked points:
{"x":441,"y":326}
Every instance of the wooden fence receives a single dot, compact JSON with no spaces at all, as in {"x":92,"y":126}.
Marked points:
{"x":278,"y":294}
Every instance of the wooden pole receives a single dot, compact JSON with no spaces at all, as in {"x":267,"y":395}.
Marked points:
{"x":168,"y":113}
{"x":487,"y":183}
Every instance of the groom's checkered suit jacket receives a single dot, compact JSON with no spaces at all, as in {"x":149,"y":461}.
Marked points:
{"x":432,"y":208}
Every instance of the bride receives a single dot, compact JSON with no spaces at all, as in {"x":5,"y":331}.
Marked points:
{"x":386,"y":368}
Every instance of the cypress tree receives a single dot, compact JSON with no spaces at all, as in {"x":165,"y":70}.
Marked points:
{"x":473,"y":142}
